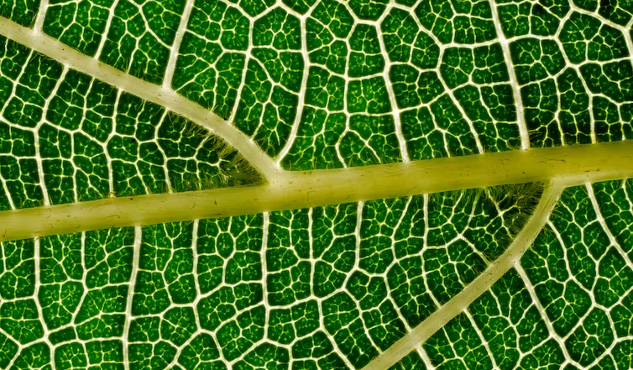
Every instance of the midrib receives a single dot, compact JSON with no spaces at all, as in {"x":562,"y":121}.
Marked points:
{"x":571,"y":165}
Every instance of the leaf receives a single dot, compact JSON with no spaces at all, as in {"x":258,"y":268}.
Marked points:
{"x":320,"y":184}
